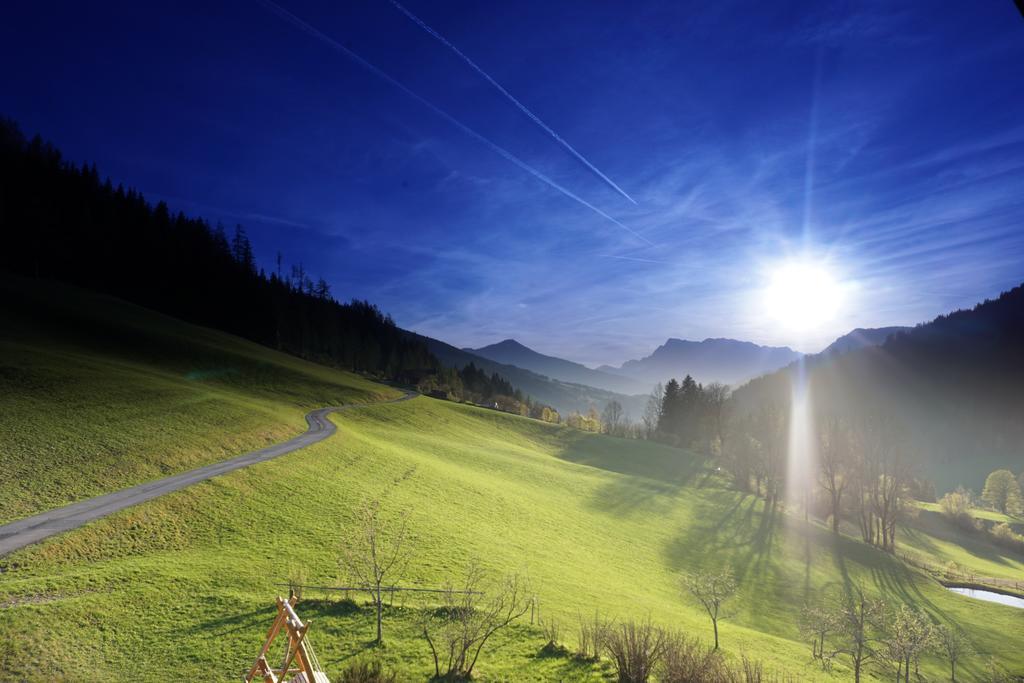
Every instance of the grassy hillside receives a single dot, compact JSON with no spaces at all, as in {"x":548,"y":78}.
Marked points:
{"x":935,"y":539}
{"x":186,"y":583}
{"x":97,"y":394}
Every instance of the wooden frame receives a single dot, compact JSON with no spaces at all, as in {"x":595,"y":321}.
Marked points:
{"x":298,"y":651}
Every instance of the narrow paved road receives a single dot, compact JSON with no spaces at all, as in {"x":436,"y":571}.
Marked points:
{"x":31,"y":530}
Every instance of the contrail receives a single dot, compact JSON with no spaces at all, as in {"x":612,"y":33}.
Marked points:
{"x":316,"y":33}
{"x":522,"y":107}
{"x":634,"y":258}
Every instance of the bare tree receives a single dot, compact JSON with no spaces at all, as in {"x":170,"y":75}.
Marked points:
{"x":716,"y":397}
{"x":652,"y":412}
{"x":833,"y":463}
{"x":711,"y":589}
{"x":740,"y":452}
{"x":688,"y":660}
{"x":859,"y":620}
{"x":635,"y":650}
{"x":953,"y":643}
{"x":910,"y":634}
{"x":818,"y":623}
{"x":882,"y":474}
{"x":375,"y":553}
{"x":459,"y":630}
{"x":592,"y":634}
{"x":771,"y":430}
{"x":612,"y":418}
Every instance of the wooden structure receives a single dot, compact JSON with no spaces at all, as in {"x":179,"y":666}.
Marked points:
{"x":298,"y":651}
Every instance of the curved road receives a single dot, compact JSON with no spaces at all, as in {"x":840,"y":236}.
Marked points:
{"x":23,"y":532}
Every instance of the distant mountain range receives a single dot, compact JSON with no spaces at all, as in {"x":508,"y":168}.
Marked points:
{"x":511,"y":352}
{"x":565,"y":397}
{"x":568,"y":385}
{"x":713,"y":360}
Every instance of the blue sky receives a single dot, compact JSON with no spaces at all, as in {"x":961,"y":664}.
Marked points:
{"x":884,"y":140}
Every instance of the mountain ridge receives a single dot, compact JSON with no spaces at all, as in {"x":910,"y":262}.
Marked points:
{"x":513,"y":352}
{"x":715,"y":359}
{"x":565,"y":397}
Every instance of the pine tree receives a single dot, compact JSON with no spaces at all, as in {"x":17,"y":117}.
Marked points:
{"x":668,"y":417}
{"x":241,"y":250}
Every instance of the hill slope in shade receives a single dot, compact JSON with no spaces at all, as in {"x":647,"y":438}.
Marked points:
{"x":596,"y":521}
{"x":953,"y":386}
{"x":861,"y":338}
{"x":511,"y":352}
{"x":97,"y":394}
{"x":713,"y":360}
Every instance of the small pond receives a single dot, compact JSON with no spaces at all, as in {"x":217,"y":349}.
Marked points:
{"x":991,"y":596}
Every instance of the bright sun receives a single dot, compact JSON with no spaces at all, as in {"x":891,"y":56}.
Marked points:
{"x":802,"y":295}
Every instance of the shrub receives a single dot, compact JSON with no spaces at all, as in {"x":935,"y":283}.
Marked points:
{"x":592,"y":634}
{"x":687,"y":660}
{"x":956,"y":506}
{"x":635,"y":649}
{"x":552,"y":632}
{"x":1004,"y":535}
{"x":364,"y":671}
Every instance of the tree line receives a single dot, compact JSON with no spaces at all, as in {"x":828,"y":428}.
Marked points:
{"x":862,"y":468}
{"x":473,"y":385}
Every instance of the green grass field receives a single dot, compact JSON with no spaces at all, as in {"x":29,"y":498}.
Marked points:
{"x":97,"y":394}
{"x":980,"y":513}
{"x":183,"y":587}
{"x":932,"y":537}
{"x":186,"y":583}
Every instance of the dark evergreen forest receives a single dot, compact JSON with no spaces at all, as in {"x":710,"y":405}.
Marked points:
{"x":63,"y":221}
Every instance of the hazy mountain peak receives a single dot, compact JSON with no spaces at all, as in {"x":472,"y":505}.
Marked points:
{"x":715,"y":359}
{"x":512,"y":352}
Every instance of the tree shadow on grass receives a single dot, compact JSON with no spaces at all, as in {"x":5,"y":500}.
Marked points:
{"x":654,"y":474}
{"x":632,"y":457}
{"x":721,"y":520}
{"x":760,"y":543}
{"x":565,"y":665}
{"x":977,"y":544}
{"x":340,"y":619}
{"x":256,"y":620}
{"x":862,"y":566}
{"x":325,"y":607}
{"x":626,"y":496}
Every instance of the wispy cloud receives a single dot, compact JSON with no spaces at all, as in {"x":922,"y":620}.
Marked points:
{"x":511,"y":98}
{"x":316,"y":33}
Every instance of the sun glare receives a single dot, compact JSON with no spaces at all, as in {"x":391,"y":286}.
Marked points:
{"x":802,"y":296}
